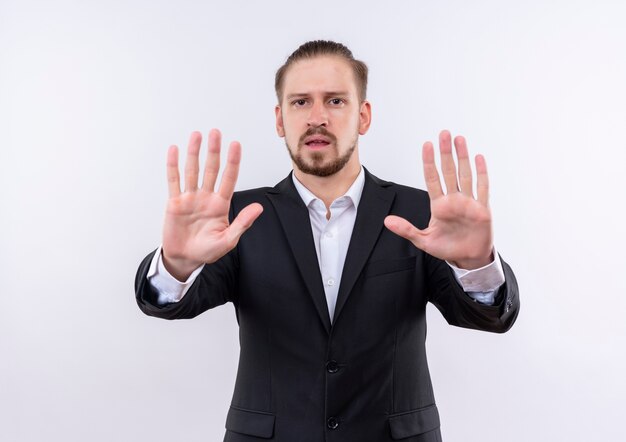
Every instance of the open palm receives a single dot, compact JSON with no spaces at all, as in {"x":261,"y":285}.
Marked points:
{"x":460,"y":228}
{"x":197,"y":229}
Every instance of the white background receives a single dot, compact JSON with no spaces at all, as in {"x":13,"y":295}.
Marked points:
{"x":93,"y":93}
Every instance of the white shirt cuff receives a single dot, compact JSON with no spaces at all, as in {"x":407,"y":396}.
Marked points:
{"x":481,"y":284}
{"x":168,"y":288}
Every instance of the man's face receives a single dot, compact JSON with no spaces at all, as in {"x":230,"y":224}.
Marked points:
{"x":321,"y":115}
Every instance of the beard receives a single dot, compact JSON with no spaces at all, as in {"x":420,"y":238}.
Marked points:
{"x":316,"y":165}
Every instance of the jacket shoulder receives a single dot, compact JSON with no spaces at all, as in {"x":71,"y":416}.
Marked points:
{"x":402,"y":191}
{"x":251,"y":194}
{"x":409,"y":192}
{"x":242,"y":198}
{"x":409,"y":203}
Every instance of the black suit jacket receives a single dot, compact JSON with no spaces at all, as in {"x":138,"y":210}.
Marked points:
{"x":362,"y":378}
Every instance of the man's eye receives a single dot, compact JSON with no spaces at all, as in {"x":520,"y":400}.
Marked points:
{"x":299,"y":102}
{"x":336,"y":101}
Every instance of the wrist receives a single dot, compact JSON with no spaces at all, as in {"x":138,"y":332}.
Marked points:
{"x":179,"y":268}
{"x":474,"y":263}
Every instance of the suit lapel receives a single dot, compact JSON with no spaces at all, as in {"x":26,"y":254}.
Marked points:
{"x":374,"y":206}
{"x":296,"y":223}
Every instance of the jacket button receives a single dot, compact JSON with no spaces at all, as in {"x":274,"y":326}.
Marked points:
{"x":332,"y":423}
{"x":332,"y":366}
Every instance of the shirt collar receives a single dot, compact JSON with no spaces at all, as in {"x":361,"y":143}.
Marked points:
{"x":353,"y":193}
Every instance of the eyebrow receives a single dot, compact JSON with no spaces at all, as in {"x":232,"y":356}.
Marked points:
{"x":330,"y":93}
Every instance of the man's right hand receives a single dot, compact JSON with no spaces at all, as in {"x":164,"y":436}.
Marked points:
{"x":196,"y":229}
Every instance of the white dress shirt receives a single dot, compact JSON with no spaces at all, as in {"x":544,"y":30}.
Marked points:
{"x":332,"y":237}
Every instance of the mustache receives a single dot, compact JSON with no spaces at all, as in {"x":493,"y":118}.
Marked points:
{"x":317,"y":131}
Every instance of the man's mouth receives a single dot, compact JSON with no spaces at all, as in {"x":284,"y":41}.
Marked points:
{"x":317,"y":141}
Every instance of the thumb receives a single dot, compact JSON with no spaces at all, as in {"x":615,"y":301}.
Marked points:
{"x":243,"y":221}
{"x":405,"y":229}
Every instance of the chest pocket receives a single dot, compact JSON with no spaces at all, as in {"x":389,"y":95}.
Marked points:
{"x":386,"y":266}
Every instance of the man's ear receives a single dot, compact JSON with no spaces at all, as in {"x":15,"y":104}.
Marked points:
{"x":365,"y":117}
{"x":280,"y":129}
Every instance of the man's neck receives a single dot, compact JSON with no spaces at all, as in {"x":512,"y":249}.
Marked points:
{"x":329,"y":188}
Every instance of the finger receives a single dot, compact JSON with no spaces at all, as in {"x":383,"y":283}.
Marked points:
{"x":191,"y":164}
{"x":482,"y":180}
{"x":212,"y":165}
{"x":431,"y":176}
{"x":229,"y":178}
{"x":448,"y":169}
{"x":465,"y":169}
{"x":173,"y":179}
{"x":405,"y":229}
{"x":243,"y":221}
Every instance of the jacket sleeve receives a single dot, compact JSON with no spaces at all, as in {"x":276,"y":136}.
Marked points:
{"x":215,"y":285}
{"x":461,"y":310}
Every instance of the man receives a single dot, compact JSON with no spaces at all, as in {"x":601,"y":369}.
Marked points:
{"x":331,"y":279}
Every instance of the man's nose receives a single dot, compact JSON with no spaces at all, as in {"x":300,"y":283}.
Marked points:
{"x":318,"y":115}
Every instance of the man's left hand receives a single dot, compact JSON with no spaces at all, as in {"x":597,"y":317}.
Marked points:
{"x":460,"y":228}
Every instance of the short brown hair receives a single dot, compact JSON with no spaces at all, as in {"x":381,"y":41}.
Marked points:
{"x":317,"y":48}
